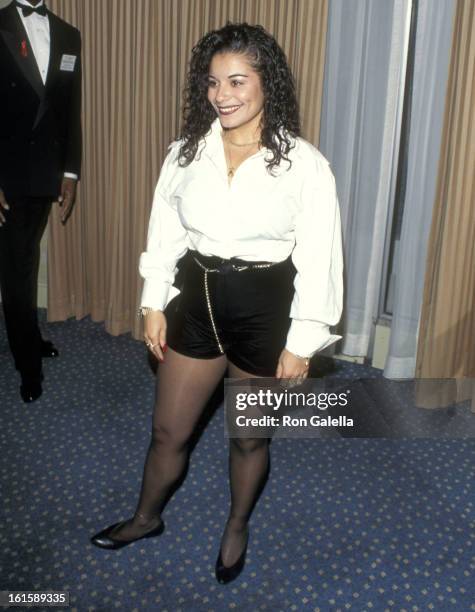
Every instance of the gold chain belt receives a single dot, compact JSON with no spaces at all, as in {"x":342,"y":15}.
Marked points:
{"x":227,"y":267}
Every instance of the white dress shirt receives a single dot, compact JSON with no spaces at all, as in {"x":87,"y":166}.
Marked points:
{"x":258,"y":217}
{"x":37,"y":28}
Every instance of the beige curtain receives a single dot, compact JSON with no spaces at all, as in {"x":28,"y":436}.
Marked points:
{"x":446,"y":348}
{"x":135,"y":55}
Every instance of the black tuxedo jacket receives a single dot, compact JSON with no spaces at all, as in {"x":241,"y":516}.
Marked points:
{"x":40,"y":124}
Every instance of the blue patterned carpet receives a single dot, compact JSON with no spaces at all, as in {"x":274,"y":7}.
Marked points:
{"x":343,"y":524}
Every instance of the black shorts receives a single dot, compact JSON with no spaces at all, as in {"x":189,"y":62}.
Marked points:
{"x":250,"y":310}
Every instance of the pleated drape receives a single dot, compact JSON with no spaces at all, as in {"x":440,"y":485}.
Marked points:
{"x":446,"y":348}
{"x":135,"y":56}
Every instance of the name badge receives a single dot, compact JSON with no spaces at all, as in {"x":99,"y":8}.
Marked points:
{"x":68,"y":62}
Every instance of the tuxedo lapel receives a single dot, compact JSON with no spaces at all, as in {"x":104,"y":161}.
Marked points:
{"x":16,"y":39}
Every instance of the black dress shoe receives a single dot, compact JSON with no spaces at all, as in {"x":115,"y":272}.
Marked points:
{"x":30,"y":391}
{"x":48,"y":349}
{"x":103,"y":539}
{"x":226,"y":574}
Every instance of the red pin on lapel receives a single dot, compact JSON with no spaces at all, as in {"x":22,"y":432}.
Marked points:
{"x":24,"y":50}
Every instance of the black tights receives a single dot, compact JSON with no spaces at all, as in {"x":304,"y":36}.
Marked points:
{"x":184,"y":386}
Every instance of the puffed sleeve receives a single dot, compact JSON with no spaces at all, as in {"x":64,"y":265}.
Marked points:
{"x":166,"y":241}
{"x":318,"y":258}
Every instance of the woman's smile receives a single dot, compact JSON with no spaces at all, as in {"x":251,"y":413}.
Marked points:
{"x":228,"y":110}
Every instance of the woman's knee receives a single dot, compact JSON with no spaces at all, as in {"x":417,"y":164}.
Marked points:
{"x":169,"y":436}
{"x":246,"y":446}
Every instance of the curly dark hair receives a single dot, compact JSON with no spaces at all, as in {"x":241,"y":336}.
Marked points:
{"x":281,"y":114}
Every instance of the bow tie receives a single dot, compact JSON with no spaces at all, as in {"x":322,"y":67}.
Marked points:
{"x":28,"y":10}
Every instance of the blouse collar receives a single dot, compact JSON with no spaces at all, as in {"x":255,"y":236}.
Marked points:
{"x":212,"y":146}
{"x":213,"y":142}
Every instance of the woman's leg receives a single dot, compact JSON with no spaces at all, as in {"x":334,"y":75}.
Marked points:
{"x":248,"y":469}
{"x":184,"y":386}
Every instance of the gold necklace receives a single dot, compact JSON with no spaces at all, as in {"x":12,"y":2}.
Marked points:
{"x":242,"y":144}
{"x":229,"y":161}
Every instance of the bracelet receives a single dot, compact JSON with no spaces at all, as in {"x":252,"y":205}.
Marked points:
{"x":307,"y":359}
{"x":144,"y":310}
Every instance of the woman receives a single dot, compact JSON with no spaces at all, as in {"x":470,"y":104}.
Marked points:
{"x":251,"y":209}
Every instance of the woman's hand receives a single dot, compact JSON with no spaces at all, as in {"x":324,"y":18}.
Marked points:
{"x":155,"y":333}
{"x":291,"y":366}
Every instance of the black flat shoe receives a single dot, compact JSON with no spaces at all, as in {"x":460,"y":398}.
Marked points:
{"x":226,"y":574}
{"x":30,"y":391}
{"x":48,"y":350}
{"x":103,"y":539}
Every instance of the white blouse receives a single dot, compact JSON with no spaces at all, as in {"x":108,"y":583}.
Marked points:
{"x":259,"y":217}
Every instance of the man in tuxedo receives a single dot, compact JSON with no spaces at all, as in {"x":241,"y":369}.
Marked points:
{"x":40,"y":160}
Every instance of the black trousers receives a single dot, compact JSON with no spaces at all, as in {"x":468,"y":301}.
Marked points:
{"x":20,"y":240}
